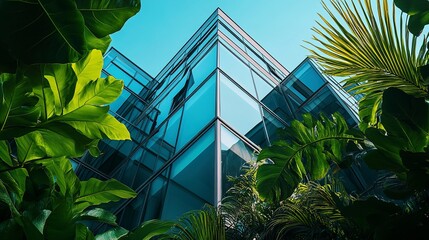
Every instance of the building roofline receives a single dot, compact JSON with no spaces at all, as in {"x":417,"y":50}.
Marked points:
{"x":237,"y":27}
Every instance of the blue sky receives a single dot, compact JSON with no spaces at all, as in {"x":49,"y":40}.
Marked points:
{"x":162,"y":27}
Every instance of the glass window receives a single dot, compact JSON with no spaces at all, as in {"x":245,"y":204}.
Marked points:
{"x":198,"y":112}
{"x":202,"y":69}
{"x":135,"y":86}
{"x":237,"y":108}
{"x":118,"y":102}
{"x":231,"y":36}
{"x":262,"y":87}
{"x":168,"y":101}
{"x":235,"y":153}
{"x":236,"y":69}
{"x":309,"y":76}
{"x":272,"y":125}
{"x":131,"y":216}
{"x":192,"y":179}
{"x":118,"y":73}
{"x":156,"y":197}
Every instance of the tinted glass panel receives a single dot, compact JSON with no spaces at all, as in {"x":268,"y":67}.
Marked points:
{"x":199,"y":110}
{"x":192,"y":178}
{"x":235,"y":153}
{"x":236,"y":69}
{"x":203,"y":69}
{"x":237,"y":108}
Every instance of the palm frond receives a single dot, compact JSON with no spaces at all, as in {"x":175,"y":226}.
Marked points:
{"x":369,"y":48}
{"x":199,"y":224}
{"x":311,"y":213}
{"x":244,"y":213}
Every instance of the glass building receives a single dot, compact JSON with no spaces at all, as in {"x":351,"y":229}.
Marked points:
{"x":210,"y":110}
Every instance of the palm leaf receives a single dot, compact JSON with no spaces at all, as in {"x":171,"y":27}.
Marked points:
{"x":200,"y":224}
{"x":370,"y":49}
{"x":308,"y":150}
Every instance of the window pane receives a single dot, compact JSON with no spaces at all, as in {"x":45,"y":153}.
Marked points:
{"x":203,"y":68}
{"x":234,"y":154}
{"x":272,"y":125}
{"x":262,"y":87}
{"x":238,"y":109}
{"x":199,"y":110}
{"x":192,"y":178}
{"x":156,"y":197}
{"x":236,"y":69}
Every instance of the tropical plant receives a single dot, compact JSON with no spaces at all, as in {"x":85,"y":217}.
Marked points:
{"x":207,"y":224}
{"x":54,"y":106}
{"x":244,"y":212}
{"x":307,"y":150}
{"x":312,"y":213}
{"x":372,"y":51}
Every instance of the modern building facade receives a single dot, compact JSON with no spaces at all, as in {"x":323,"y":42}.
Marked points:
{"x":210,"y":110}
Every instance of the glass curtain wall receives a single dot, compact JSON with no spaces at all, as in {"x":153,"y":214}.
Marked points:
{"x":201,"y":120}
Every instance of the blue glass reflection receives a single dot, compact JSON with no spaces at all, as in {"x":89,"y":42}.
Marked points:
{"x":235,"y":153}
{"x":192,"y":178}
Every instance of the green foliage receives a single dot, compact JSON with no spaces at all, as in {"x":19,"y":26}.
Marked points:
{"x":311,"y":146}
{"x":368,"y":47}
{"x":149,"y":229}
{"x":49,"y":204}
{"x":201,"y":224}
{"x":49,"y":31}
{"x":403,"y":146}
{"x":54,"y":106}
{"x":418,"y":10}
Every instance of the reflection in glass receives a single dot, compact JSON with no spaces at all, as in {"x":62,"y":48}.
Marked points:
{"x":238,"y":109}
{"x":192,"y":178}
{"x":198,"y":112}
{"x":156,"y":196}
{"x":235,"y":153}
{"x":202,"y":70}
{"x":236,"y":69}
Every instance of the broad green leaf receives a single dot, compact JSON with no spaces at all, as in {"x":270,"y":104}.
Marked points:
{"x":88,"y":69}
{"x":104,"y":17}
{"x":17,"y":106}
{"x":108,"y":128}
{"x":311,"y":147}
{"x":14,"y":180}
{"x":83,"y":233}
{"x":64,"y":175}
{"x":412,"y":7}
{"x":98,"y":92}
{"x":149,"y":229}
{"x":60,"y":223}
{"x":99,"y":215}
{"x":406,"y":121}
{"x":44,"y":31}
{"x":95,"y":192}
{"x":93,"y":42}
{"x":5,"y":153}
{"x":112,"y":234}
{"x":6,"y":198}
{"x":418,"y":11}
{"x":37,"y":218}
{"x":84,"y":113}
{"x":406,"y":117}
{"x":62,"y":81}
{"x":30,"y":230}
{"x":54,"y":140}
